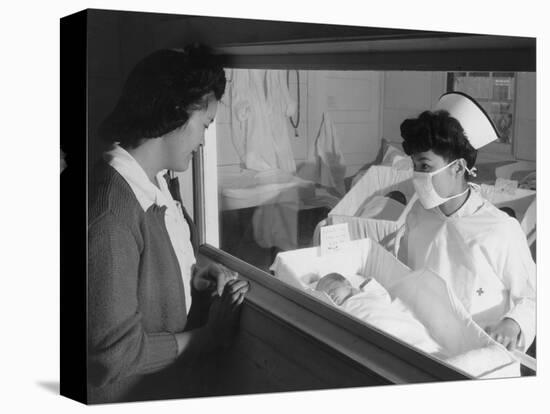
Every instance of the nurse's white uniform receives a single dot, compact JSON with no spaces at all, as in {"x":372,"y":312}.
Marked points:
{"x":483,"y":255}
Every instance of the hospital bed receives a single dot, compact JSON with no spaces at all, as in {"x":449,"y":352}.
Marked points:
{"x":249,"y":188}
{"x":378,"y":181}
{"x":519,"y":171}
{"x":391,"y":171}
{"x":267,"y":211}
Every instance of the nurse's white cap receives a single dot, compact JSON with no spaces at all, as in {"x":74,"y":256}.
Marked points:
{"x":477,"y":125}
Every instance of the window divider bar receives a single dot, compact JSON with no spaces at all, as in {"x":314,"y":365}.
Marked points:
{"x":199,"y":205}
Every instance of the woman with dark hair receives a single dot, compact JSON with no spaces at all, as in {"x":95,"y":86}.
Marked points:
{"x":480,"y":251}
{"x":151,"y":311}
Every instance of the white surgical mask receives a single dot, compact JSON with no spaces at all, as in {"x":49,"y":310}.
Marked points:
{"x":428,"y":196}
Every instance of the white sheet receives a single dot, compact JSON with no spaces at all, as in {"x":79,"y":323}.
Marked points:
{"x":518,"y":199}
{"x":364,"y":257}
{"x":375,"y":306}
{"x":467,"y":346}
{"x":461,"y":342}
{"x":325,"y":162}
{"x":378,"y":181}
{"x":250,"y":188}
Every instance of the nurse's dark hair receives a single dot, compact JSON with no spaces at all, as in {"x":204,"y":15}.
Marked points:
{"x":439,"y":132}
{"x":161,"y":92}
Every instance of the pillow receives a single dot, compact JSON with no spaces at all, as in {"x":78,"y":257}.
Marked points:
{"x":386,"y":153}
{"x":389,"y":154}
{"x":392,"y":153}
{"x":523,"y":176}
{"x":529,"y":181}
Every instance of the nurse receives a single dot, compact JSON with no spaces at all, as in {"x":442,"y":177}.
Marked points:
{"x":480,"y":251}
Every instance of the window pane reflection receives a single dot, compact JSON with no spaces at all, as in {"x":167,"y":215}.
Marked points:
{"x":286,"y":140}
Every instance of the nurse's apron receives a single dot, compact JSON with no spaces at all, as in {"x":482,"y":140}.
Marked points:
{"x":442,"y":247}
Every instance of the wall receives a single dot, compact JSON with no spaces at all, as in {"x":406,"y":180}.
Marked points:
{"x":365,"y":110}
{"x":406,"y":95}
{"x":351,"y":98}
{"x":104,"y":75}
{"x":525,"y":132}
{"x":116,"y":42}
{"x":366,"y":106}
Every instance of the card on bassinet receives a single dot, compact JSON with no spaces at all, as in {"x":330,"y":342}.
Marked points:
{"x":332,"y":238}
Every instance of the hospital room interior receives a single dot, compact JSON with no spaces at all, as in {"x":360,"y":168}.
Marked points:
{"x":334,"y":155}
{"x":292,"y":144}
{"x":295,"y":151}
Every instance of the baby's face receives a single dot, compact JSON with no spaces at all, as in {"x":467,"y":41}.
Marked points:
{"x":338,"y":291}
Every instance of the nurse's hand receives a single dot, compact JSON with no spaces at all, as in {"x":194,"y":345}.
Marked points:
{"x":212,"y":278}
{"x":506,"y":332}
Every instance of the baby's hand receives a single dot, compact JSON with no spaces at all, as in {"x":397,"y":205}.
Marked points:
{"x":505,"y":332}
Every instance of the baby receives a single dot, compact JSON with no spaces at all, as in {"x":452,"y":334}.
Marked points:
{"x":372,"y":303}
{"x":337,"y":287}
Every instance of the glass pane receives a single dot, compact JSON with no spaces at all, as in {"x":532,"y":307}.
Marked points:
{"x":289,"y":148}
{"x":286,"y":142}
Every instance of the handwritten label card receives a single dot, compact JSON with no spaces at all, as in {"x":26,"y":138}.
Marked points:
{"x":332,"y":238}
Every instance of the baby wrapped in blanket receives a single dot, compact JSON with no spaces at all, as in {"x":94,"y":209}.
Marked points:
{"x":372,"y":303}
{"x":459,"y":342}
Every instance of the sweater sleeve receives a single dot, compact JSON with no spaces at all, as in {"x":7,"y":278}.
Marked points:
{"x":118,"y":346}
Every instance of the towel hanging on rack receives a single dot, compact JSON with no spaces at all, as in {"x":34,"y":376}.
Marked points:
{"x":325,"y":164}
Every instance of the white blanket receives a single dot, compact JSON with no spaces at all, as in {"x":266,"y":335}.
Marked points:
{"x":375,"y":306}
{"x":466,"y":345}
{"x":325,"y":163}
{"x":377,"y":182}
{"x":449,"y":332}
